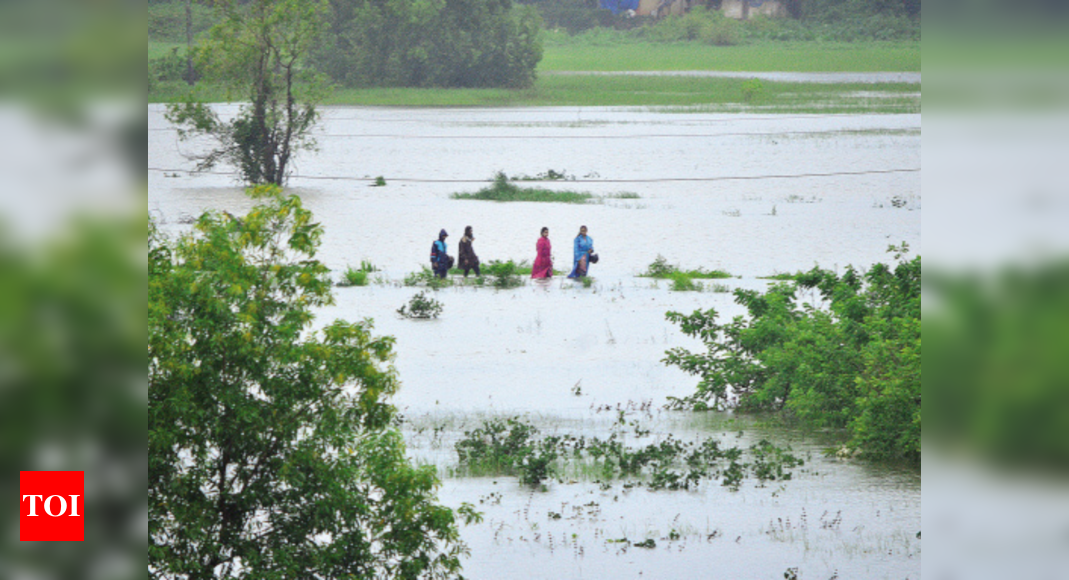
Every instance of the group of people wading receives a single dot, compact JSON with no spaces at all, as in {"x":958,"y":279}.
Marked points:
{"x":442,"y":262}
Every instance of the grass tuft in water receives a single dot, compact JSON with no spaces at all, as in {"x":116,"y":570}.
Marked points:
{"x":357,"y":276}
{"x":683,"y":280}
{"x":502,"y":189}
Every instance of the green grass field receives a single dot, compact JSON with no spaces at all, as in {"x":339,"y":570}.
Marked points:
{"x":162,"y":49}
{"x":682,"y":93}
{"x":759,"y":57}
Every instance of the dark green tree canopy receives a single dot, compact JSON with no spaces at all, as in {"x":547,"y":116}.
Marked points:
{"x":431,"y":43}
{"x":271,"y":447}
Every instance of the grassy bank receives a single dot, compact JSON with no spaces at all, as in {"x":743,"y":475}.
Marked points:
{"x":684,"y":93}
{"x":873,"y":56}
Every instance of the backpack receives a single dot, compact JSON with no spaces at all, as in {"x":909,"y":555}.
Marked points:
{"x":435,"y":253}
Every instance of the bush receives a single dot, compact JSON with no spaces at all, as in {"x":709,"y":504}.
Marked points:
{"x":453,"y":43}
{"x":421,"y":306}
{"x":505,"y":274}
{"x":854,"y":364}
{"x":708,"y":26}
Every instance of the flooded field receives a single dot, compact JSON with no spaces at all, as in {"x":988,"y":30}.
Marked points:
{"x":753,"y":195}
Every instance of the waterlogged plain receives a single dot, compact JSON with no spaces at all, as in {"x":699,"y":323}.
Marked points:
{"x":749,"y":195}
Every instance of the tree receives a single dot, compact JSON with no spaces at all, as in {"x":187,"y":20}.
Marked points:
{"x":431,"y":43}
{"x":258,"y":49}
{"x":852,"y":363}
{"x":271,"y":448}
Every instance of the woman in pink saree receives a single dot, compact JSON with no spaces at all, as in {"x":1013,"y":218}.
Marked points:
{"x":543,"y":265}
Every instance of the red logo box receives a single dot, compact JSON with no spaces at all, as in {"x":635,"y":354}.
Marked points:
{"x":52,"y":505}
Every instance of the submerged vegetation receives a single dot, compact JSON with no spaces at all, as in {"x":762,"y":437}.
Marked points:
{"x":421,"y":306}
{"x":503,"y":189}
{"x":851,"y":362}
{"x":357,"y":276}
{"x":684,"y":280}
{"x":515,"y":447}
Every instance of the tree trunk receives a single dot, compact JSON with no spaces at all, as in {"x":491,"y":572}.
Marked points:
{"x":189,"y":42}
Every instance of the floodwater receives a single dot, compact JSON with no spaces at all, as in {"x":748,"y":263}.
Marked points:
{"x":747,"y":193}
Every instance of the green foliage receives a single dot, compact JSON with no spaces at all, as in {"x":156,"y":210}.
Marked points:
{"x":431,"y":43}
{"x":271,"y":451}
{"x":503,"y":190}
{"x":72,"y":326}
{"x":257,"y":49}
{"x":513,"y":446}
{"x":854,"y":364}
{"x":167,"y":20}
{"x":752,"y":89}
{"x":421,"y":306}
{"x":995,"y":374}
{"x":426,"y":277}
{"x":700,"y":24}
{"x":505,"y":274}
{"x":660,"y":268}
{"x":682,"y":281}
{"x":170,"y":67}
{"x":357,"y":276}
{"x":380,"y":181}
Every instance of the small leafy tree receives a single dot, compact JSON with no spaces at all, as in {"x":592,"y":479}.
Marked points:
{"x":271,"y":448}
{"x":852,"y":362}
{"x":258,"y":48}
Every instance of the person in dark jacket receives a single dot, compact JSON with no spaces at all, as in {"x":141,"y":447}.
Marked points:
{"x":466,"y":258}
{"x":441,"y":262}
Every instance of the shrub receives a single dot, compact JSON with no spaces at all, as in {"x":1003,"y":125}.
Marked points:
{"x":853,"y":364}
{"x":505,"y":274}
{"x":421,"y":306}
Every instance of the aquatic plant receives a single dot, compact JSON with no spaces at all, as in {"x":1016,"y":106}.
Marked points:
{"x":426,"y":277}
{"x":505,"y":274}
{"x":501,"y":189}
{"x":513,"y":446}
{"x":660,"y":268}
{"x":421,"y":306}
{"x":683,"y":280}
{"x":357,"y":276}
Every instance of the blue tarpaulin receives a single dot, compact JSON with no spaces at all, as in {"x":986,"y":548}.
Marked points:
{"x":618,"y":6}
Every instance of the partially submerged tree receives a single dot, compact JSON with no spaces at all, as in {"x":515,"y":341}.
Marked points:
{"x":258,"y":49}
{"x":271,"y":448}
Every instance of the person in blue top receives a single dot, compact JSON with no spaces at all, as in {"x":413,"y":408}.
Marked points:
{"x":584,"y":247}
{"x":440,"y":261}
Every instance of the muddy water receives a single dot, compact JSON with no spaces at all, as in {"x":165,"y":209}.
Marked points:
{"x":715,"y":191}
